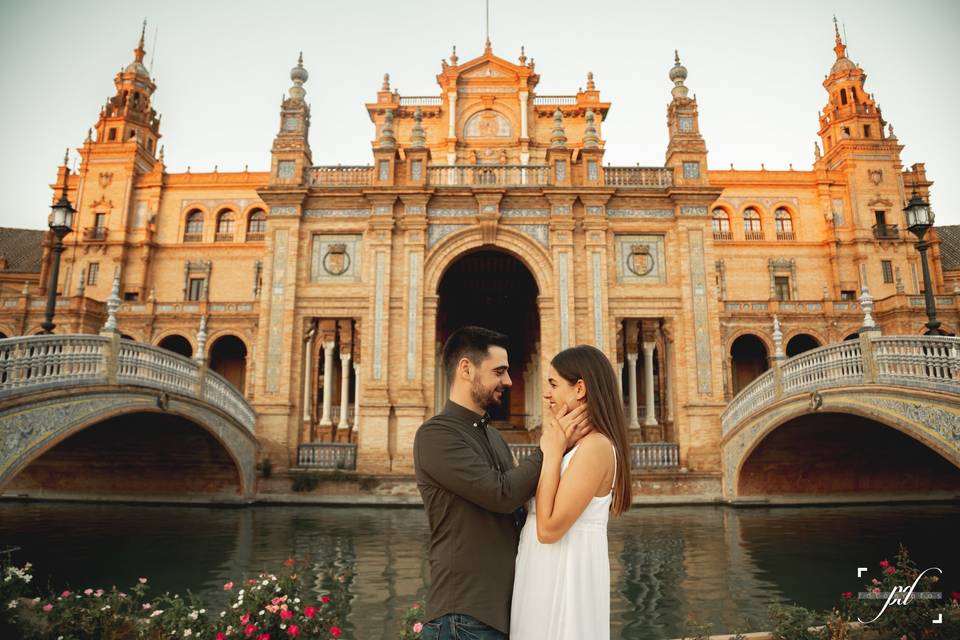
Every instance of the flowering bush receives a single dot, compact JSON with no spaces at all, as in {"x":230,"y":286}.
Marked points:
{"x":412,"y":624}
{"x":268,"y":607}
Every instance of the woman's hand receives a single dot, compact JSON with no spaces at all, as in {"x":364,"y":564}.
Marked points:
{"x":563,"y":429}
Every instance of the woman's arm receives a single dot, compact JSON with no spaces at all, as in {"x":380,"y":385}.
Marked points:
{"x":560,"y":501}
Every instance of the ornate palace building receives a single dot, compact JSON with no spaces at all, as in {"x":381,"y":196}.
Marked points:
{"x":324,"y":293}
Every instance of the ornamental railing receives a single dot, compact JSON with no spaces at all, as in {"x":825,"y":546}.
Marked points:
{"x":638,"y":177}
{"x":420,"y":101}
{"x":643,"y":455}
{"x":488,"y":175}
{"x":36,"y":363}
{"x":327,"y":455}
{"x":926,"y":362}
{"x":341,"y":176}
{"x":557,"y":100}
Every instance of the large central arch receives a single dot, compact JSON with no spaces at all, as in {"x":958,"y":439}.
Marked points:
{"x":460,"y":293}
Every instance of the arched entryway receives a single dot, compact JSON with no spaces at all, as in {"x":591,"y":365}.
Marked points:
{"x":800,"y":343}
{"x":228,"y":357}
{"x":825,"y":454}
{"x":177,"y":344}
{"x":493,"y":289}
{"x":748,"y":359}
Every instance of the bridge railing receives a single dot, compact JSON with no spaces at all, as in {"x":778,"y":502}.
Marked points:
{"x":327,"y":455}
{"x":922,"y":362}
{"x":643,"y":455}
{"x":35,"y":363}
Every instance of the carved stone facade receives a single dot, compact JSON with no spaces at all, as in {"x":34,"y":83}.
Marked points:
{"x":354,"y":257}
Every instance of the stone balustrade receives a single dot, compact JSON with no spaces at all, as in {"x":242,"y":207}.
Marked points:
{"x":922,"y":362}
{"x":327,"y":455}
{"x":638,"y":177}
{"x":554,"y":100}
{"x":341,"y":176}
{"x":487,"y":175}
{"x":643,"y":455}
{"x":47,"y":362}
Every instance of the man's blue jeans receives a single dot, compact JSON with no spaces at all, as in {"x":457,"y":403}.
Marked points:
{"x":459,"y":626}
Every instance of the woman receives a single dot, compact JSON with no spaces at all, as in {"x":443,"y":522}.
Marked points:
{"x":562,"y":582}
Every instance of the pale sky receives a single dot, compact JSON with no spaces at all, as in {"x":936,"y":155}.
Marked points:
{"x":221,"y":67}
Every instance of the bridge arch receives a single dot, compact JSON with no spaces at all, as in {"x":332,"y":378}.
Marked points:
{"x":227,"y":355}
{"x":802,"y":341}
{"x":749,"y":358}
{"x":176,"y":342}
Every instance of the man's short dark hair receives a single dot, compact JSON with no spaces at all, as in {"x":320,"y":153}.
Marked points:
{"x":472,"y":343}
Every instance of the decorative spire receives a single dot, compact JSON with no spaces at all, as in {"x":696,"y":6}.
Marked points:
{"x":816,"y":151}
{"x":523,"y":56}
{"x":890,"y":133}
{"x":160,"y":158}
{"x":678,"y":73}
{"x":418,"y":138}
{"x":113,"y":304}
{"x":299,"y":75}
{"x":386,"y":82}
{"x":487,"y":48}
{"x":866,"y":303}
{"x":89,"y":134}
{"x":453,"y":56}
{"x":201,"y":339}
{"x":66,"y":158}
{"x":558,"y":138}
{"x":387,"y":139}
{"x":140,"y":51}
{"x":839,"y":48}
{"x":590,"y":138}
{"x":590,"y":85}
{"x":777,"y":339}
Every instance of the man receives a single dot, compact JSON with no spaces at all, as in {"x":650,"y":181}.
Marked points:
{"x":472,"y":493}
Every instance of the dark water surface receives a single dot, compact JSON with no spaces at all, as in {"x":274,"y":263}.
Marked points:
{"x":717,"y":564}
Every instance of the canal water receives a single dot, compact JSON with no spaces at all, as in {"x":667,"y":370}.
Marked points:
{"x":713,"y":564}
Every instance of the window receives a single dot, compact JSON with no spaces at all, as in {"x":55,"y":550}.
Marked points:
{"x":887,"y":267}
{"x":256,"y":225}
{"x":195,"y":288}
{"x":781,"y":285}
{"x":383,"y":170}
{"x":848,"y":296}
{"x":751,"y":224}
{"x":112,"y":135}
{"x":416,"y":169}
{"x":93,"y":270}
{"x":843,"y":96}
{"x":866,"y":131}
{"x":691,"y":170}
{"x":194,"y":228}
{"x":99,"y":220}
{"x":131,"y":296}
{"x":846,"y":132}
{"x":224,"y":226}
{"x":593,"y":170}
{"x":560,"y":167}
{"x":784,"y":224}
{"x":881,"y":218}
{"x":721,"y":225}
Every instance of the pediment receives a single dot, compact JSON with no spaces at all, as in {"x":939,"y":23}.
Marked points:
{"x":487,"y":70}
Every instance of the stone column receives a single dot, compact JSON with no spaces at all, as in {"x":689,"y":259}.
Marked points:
{"x":308,"y":342}
{"x":634,"y":422}
{"x":523,"y":114}
{"x":650,"y":418}
{"x":356,"y":397}
{"x":325,"y":420}
{"x":344,"y":391}
{"x":668,"y":375}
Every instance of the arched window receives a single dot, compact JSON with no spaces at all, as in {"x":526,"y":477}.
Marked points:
{"x":721,"y":225}
{"x":256,"y":225}
{"x":194,"y":229}
{"x":751,"y":224}
{"x":784,"y":223}
{"x":225,"y":226}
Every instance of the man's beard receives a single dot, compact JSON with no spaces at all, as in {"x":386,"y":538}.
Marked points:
{"x":485,"y":398}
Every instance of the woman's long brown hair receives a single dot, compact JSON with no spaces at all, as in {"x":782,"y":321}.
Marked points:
{"x":604,"y":407}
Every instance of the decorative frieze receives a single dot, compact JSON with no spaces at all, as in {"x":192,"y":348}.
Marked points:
{"x":525,"y":213}
{"x":693,"y":211}
{"x":450,"y":212}
{"x":539,"y":232}
{"x":336,"y":213}
{"x":640,"y":213}
{"x":283,"y":211}
{"x":437,"y":231}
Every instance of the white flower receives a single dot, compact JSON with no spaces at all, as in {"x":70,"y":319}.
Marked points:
{"x":156,"y":612}
{"x":240,"y":593}
{"x":192,"y":615}
{"x":265,"y":582}
{"x":203,"y":610}
{"x":187,"y":633}
{"x":296,"y":600}
{"x":223,"y":613}
{"x":12,"y":604}
{"x":235,"y":605}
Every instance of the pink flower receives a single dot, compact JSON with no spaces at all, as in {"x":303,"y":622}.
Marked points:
{"x":250,"y":629}
{"x":890,"y":570}
{"x":335,"y":632}
{"x":146,"y":605}
{"x":142,"y":580}
{"x":417,"y":627}
{"x":324,"y":599}
{"x":875,"y":590}
{"x":220,"y":636}
{"x":288,"y":562}
{"x":65,"y":594}
{"x":416,"y":605}
{"x":88,"y":592}
{"x":955,"y":595}
{"x":245,"y":618}
{"x":310,"y":612}
{"x":98,"y":592}
{"x":286,"y":614}
{"x":847,"y":595}
{"x":293,"y":630}
{"x":875,"y":581}
{"x":272,"y":608}
{"x":884,"y":563}
{"x":228,"y":586}
{"x":263,"y":636}
{"x":48,"y":607}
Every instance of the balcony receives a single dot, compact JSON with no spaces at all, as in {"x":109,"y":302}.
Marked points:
{"x":554,"y":100}
{"x":95,"y":234}
{"x":643,"y":455}
{"x":753,"y":235}
{"x":488,"y":175}
{"x":254,"y":236}
{"x":193,"y":237}
{"x":722,"y":235}
{"x":420,"y":101}
{"x":638,"y":177}
{"x":785,"y":235}
{"x":223,"y":237}
{"x":886,"y":232}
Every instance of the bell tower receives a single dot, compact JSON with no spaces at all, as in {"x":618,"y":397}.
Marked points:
{"x":686,"y":151}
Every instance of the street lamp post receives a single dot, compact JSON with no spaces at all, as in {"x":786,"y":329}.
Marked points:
{"x":919,"y":220}
{"x":61,"y":222}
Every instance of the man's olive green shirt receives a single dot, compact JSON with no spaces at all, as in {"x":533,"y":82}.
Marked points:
{"x":471,"y":489}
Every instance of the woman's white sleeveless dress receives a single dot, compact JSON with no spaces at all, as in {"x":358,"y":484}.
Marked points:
{"x":561,"y":591}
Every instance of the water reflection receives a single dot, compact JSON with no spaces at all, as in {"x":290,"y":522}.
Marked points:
{"x":715,"y":564}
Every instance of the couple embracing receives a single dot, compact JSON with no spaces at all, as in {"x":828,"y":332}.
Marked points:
{"x":520,"y":550}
